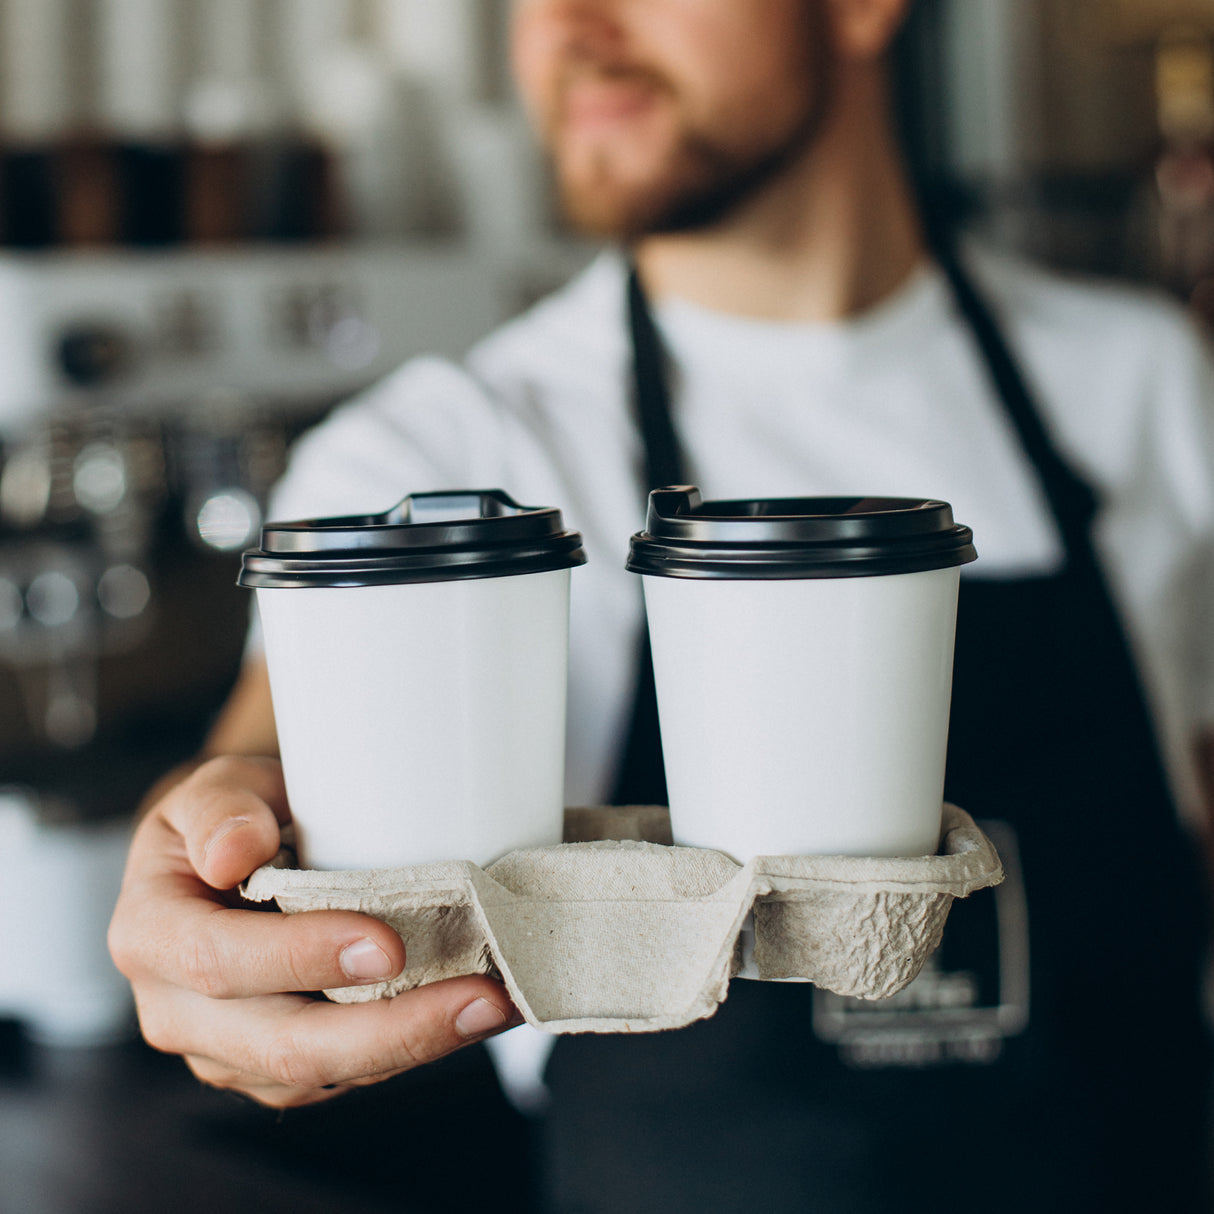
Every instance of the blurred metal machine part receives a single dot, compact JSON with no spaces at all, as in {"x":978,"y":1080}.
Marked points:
{"x":159,"y":334}
{"x":145,"y":410}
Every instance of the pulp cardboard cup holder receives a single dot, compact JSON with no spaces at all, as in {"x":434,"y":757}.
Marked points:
{"x":617,"y":930}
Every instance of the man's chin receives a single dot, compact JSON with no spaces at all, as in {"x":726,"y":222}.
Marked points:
{"x":603,"y":217}
{"x":605,"y":200}
{"x":608,"y":212}
{"x":632,"y":218}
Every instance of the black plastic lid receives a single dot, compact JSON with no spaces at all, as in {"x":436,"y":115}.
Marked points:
{"x":796,"y":537}
{"x":429,"y":537}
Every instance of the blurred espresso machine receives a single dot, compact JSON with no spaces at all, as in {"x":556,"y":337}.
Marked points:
{"x":147,"y":401}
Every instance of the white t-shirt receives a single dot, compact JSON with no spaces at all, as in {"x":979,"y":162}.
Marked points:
{"x":895,"y":402}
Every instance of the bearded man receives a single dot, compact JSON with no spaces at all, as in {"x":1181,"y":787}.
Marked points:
{"x":769,"y":293}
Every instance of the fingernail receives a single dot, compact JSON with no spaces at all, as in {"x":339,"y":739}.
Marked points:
{"x":221,"y":832}
{"x":478,"y":1018}
{"x":365,"y":961}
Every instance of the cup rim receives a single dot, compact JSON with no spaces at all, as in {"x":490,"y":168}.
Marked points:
{"x":444,"y":535}
{"x":796,"y":537}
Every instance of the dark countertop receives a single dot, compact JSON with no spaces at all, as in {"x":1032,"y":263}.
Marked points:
{"x":124,"y":1130}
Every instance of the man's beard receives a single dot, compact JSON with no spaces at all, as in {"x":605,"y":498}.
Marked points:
{"x":704,"y":185}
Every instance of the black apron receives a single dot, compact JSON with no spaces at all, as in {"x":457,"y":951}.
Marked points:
{"x":1053,"y":1055}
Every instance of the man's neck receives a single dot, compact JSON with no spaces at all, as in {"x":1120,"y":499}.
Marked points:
{"x":834,"y":235}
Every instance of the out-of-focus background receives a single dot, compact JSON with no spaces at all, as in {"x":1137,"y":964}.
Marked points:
{"x":217,"y":219}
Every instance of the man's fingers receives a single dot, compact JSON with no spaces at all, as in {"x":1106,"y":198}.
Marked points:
{"x":302,"y":1044}
{"x":235,"y":954}
{"x":228,"y":814}
{"x":274,"y":1095}
{"x":224,"y":985}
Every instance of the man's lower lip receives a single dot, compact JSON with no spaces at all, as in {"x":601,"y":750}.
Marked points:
{"x":606,"y":107}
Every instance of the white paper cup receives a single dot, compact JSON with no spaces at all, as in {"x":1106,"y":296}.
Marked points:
{"x":803,"y":660}
{"x":418,"y":665}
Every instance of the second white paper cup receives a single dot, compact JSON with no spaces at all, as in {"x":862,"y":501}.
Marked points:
{"x":806,"y":711}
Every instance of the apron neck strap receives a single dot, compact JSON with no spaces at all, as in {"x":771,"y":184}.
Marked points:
{"x":664,"y":463}
{"x":1071,"y":500}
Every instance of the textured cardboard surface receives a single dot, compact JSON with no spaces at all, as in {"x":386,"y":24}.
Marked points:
{"x":618,"y":931}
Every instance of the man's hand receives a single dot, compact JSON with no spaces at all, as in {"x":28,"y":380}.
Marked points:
{"x":226,"y":987}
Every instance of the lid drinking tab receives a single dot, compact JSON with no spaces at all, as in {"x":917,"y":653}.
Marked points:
{"x":451,"y":535}
{"x":803,"y":537}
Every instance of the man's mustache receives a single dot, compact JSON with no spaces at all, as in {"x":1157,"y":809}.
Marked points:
{"x":580,"y":67}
